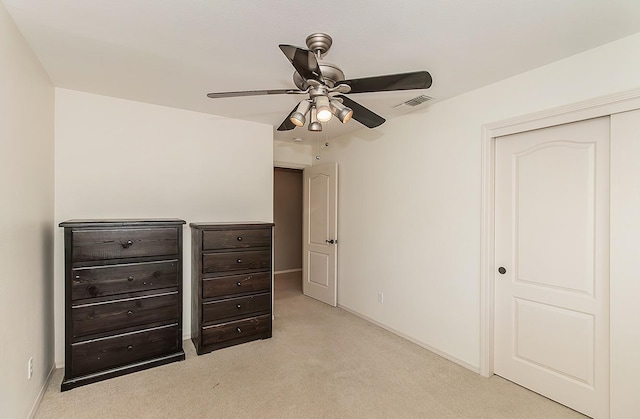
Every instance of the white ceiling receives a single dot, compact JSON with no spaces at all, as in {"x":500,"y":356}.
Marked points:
{"x":173,"y":52}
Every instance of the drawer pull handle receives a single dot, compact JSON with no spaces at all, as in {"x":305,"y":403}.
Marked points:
{"x":127,"y":244}
{"x":239,"y":283}
{"x":129,"y":313}
{"x":238,"y":330}
{"x":239,"y":238}
{"x":77,"y":276}
{"x":238,"y":306}
{"x":130,"y":348}
{"x":130,"y":278}
{"x":239,"y":260}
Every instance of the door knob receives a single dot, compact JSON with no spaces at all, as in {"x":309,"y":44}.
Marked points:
{"x":331,"y":241}
{"x":502,"y":270}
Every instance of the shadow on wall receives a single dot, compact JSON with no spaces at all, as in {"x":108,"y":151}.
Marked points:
{"x":47,"y":292}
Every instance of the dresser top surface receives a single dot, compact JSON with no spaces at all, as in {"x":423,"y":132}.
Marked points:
{"x":231,"y":225}
{"x":123,"y":222}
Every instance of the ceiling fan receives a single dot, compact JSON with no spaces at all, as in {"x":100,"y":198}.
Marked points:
{"x":326,"y":86}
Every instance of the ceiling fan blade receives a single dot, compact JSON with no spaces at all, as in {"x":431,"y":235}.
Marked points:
{"x":304,"y":61}
{"x":287,"y":125}
{"x":403,"y":81}
{"x":252,"y":93}
{"x":361,"y":114}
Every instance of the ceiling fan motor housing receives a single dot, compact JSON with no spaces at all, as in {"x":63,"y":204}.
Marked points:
{"x":320,"y":43}
{"x":331,"y":73}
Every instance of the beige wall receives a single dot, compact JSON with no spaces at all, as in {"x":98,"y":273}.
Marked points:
{"x":287,"y":213}
{"x":26,"y":226}
{"x":121,"y":159}
{"x":292,"y":155}
{"x":410,"y":202}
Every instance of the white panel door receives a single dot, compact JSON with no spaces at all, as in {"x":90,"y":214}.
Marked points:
{"x":319,"y":264}
{"x":552,"y":269}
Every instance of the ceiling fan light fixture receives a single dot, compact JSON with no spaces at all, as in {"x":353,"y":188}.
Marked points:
{"x":323,"y":110}
{"x":341,"y":112}
{"x":314,"y":125}
{"x":298,"y":117}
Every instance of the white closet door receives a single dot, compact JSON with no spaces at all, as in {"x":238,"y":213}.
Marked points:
{"x":552,"y":269}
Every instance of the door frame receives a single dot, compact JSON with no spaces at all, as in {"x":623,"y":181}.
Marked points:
{"x":593,"y":108}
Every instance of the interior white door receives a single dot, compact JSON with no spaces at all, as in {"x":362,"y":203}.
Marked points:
{"x":320,"y":209}
{"x":552,"y":270}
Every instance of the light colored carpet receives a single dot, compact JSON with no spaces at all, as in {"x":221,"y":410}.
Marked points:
{"x":321,"y":362}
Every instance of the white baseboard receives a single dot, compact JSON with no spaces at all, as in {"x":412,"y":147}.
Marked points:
{"x":417,"y":342}
{"x":286,"y":271}
{"x":43,"y":390}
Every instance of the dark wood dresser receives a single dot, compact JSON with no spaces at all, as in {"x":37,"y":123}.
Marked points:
{"x":231,"y":287}
{"x":123,"y":297}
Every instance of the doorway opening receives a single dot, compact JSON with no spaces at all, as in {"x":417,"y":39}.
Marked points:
{"x":287,"y":216}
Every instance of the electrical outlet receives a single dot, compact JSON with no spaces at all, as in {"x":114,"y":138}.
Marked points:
{"x":380,"y":297}
{"x":30,"y":369}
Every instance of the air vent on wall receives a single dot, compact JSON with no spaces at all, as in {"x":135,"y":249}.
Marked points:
{"x":415,"y":101}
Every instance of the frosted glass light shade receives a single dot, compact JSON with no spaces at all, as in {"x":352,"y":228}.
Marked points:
{"x":323,"y":110}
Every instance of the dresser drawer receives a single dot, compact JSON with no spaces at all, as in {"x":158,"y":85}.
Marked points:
{"x":234,"y":307}
{"x":101,"y":354}
{"x":235,"y":261}
{"x":88,"y":319}
{"x":219,"y":333}
{"x":236,"y":284}
{"x":92,"y":245}
{"x":235,"y":239}
{"x":108,"y":280}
